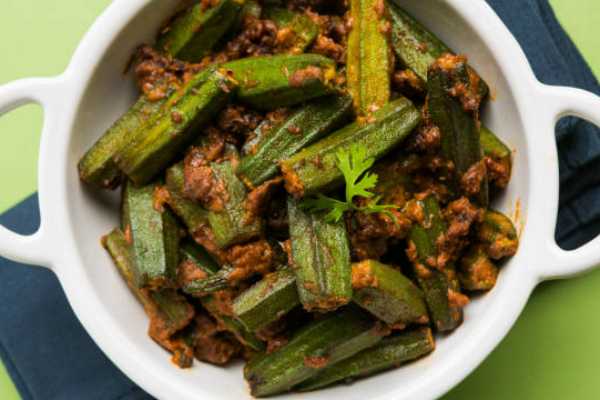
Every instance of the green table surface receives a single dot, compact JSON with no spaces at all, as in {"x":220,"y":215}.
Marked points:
{"x":552,"y":351}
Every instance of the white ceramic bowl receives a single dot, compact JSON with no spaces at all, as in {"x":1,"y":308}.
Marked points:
{"x":81,"y":103}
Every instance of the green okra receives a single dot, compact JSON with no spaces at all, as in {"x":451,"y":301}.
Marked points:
{"x":498,"y":235}
{"x":197,"y":30}
{"x":393,"y":298}
{"x":152,"y":150}
{"x":183,"y":351}
{"x":193,"y":215}
{"x":231,"y":225}
{"x":321,"y":257}
{"x":199,"y":258}
{"x":260,"y":134}
{"x":223,"y":278}
{"x":155,"y":235}
{"x":271,"y":82}
{"x":174,"y":309}
{"x":476,"y":271}
{"x":459,"y":129}
{"x":166,"y":307}
{"x":417,"y":48}
{"x":120,"y":250}
{"x":314,"y":169}
{"x":390,"y":353}
{"x":267,"y":301}
{"x":387,"y":294}
{"x":321,"y":343}
{"x":304,"y":126}
{"x":210,"y":284}
{"x":97,"y":166}
{"x":303,"y":31}
{"x":241,"y":333}
{"x":434,"y":283}
{"x":369,"y":62}
{"x":494,"y":148}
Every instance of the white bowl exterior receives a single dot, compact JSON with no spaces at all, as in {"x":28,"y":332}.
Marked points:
{"x":93,"y":92}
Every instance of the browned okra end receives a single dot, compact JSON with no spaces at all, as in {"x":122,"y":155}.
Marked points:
{"x":183,"y":354}
{"x":362,"y":276}
{"x":324,"y":304}
{"x":468,"y":93}
{"x":293,"y":184}
{"x":476,"y":271}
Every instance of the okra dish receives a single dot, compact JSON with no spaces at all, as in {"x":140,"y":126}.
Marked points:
{"x":306,"y":186}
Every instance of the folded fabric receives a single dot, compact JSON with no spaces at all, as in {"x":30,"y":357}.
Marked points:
{"x":45,"y":349}
{"x":49,"y":355}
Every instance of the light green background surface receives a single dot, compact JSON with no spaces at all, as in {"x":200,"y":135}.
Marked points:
{"x":552,"y":352}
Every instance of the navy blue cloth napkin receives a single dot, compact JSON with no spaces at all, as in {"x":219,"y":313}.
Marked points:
{"x":47,"y":352}
{"x":49,"y":355}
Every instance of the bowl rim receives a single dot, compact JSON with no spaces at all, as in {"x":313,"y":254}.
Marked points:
{"x":538,"y":107}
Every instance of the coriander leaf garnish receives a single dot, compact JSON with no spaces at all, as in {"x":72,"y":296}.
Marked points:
{"x":354,"y":165}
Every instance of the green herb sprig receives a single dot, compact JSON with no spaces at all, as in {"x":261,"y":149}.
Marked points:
{"x":354,"y":165}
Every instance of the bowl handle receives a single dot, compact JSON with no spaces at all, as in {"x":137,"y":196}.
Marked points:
{"x":561,"y":102}
{"x":34,"y":249}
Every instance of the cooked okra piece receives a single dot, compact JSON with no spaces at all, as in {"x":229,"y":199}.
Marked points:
{"x":387,"y":294}
{"x":97,"y":166}
{"x":436,"y":285}
{"x":494,"y":148}
{"x":267,"y":301}
{"x":321,"y":260}
{"x":199,"y":258}
{"x":459,"y":127}
{"x":193,"y":215}
{"x":194,"y":257}
{"x":169,"y":312}
{"x":183,"y":349}
{"x":231,"y":225}
{"x":476,"y":271}
{"x":119,"y":249}
{"x":498,"y":234}
{"x":417,"y":48}
{"x":321,"y":343}
{"x":154,"y":234}
{"x":272,"y":82}
{"x":197,"y":30}
{"x":314,"y":169}
{"x":379,"y":289}
{"x":151,"y":151}
{"x":390,"y":353}
{"x":369,"y":61}
{"x":298,"y":31}
{"x":303,"y":127}
{"x":241,"y":332}
{"x":210,"y":284}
